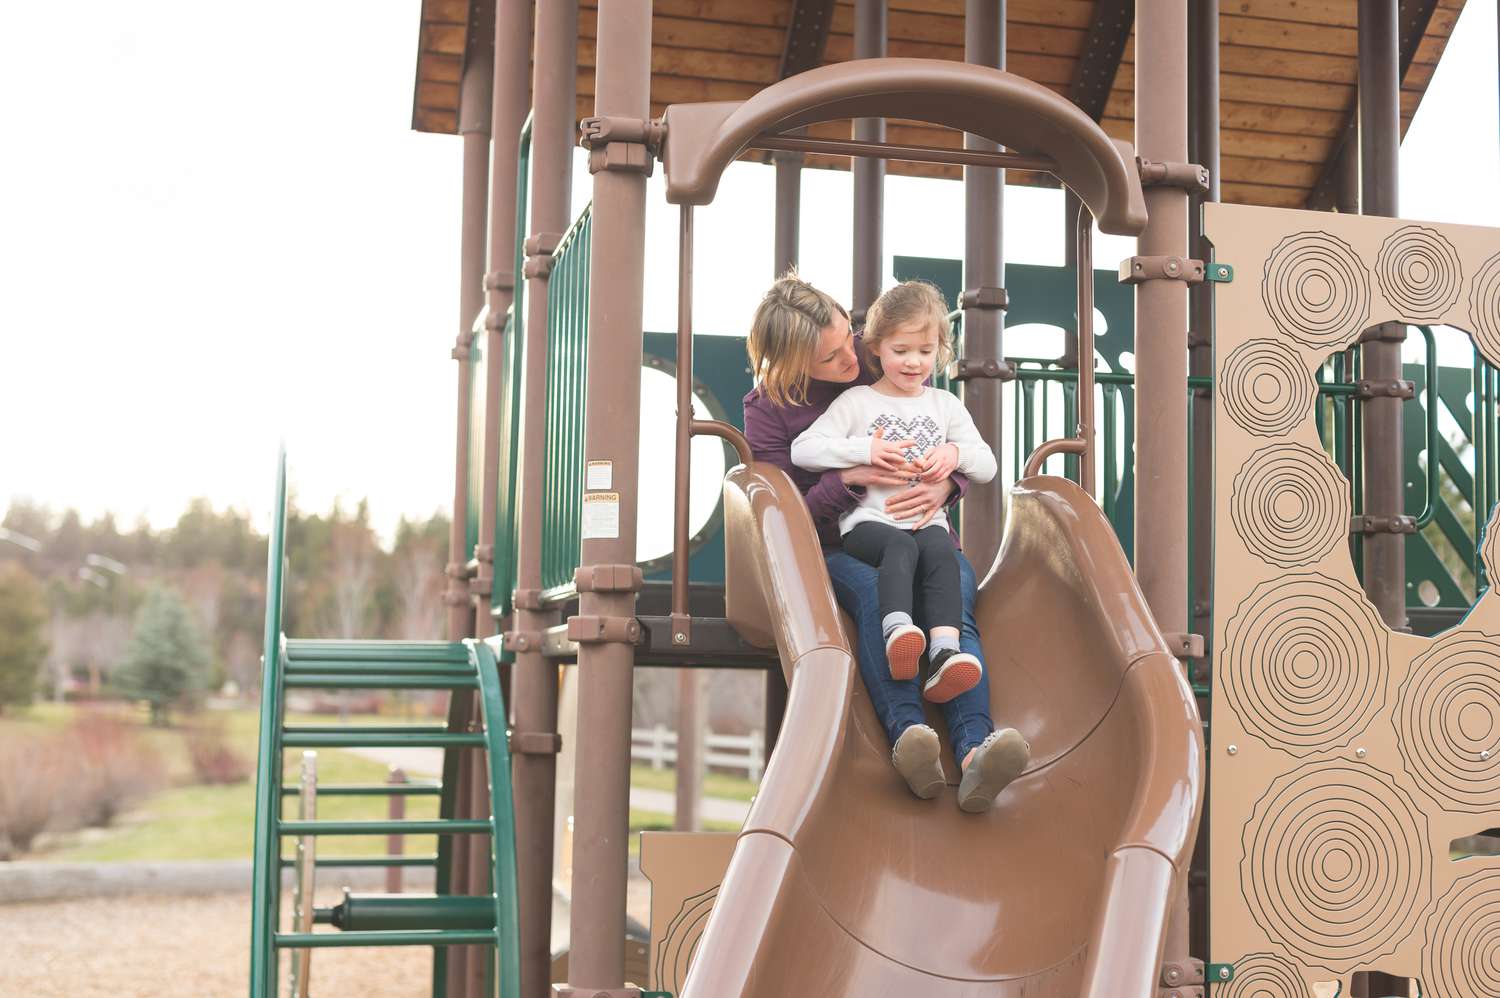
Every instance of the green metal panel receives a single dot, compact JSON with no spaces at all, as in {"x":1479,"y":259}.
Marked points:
{"x":567,"y":357}
{"x":265,"y":901}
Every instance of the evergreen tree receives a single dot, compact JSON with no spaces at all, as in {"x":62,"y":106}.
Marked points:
{"x":168,"y":657}
{"x":23,"y":620}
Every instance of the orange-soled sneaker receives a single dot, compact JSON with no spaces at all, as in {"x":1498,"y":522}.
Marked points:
{"x":954,"y":673}
{"x":903,"y":650}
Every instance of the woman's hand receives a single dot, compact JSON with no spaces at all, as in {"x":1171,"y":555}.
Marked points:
{"x":864,"y":475}
{"x":937,"y":464}
{"x":924,"y":499}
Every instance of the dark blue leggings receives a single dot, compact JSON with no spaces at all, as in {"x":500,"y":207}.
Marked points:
{"x":922,"y":560}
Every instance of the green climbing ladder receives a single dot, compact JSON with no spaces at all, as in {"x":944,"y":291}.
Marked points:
{"x":467,"y":669}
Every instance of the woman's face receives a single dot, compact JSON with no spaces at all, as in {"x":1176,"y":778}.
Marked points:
{"x":835,"y":359}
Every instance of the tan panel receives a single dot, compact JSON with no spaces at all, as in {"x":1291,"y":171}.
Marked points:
{"x":685,"y":870}
{"x":1346,"y":757}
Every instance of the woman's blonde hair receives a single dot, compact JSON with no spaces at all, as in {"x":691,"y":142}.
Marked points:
{"x":910,"y":304}
{"x":784,"y":337}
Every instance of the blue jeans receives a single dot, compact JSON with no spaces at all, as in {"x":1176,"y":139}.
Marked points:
{"x":898,"y":704}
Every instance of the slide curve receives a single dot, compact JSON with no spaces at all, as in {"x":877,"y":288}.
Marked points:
{"x":842,"y":883}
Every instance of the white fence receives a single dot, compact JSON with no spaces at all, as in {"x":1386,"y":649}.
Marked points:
{"x":743,"y":753}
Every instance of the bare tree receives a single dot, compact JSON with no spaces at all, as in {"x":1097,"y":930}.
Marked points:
{"x":419,"y":590}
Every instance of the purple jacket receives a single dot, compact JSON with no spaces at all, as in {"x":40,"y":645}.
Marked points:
{"x":771,"y":428}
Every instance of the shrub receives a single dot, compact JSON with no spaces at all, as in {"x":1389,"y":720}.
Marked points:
{"x":214,"y":760}
{"x":167,"y":658}
{"x":116,"y":768}
{"x":32,"y":775}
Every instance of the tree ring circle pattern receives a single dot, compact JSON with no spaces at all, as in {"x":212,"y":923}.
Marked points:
{"x":1304,"y":663}
{"x":1484,"y":310}
{"x":1290,"y":505}
{"x":1266,"y":388}
{"x":1264,"y":975}
{"x":1448,"y":722}
{"x":1419,"y":273}
{"x":1336,"y":916}
{"x":1462,"y":955}
{"x":1317,"y":289}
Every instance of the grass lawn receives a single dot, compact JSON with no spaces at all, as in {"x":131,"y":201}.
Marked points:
{"x":714,"y":784}
{"x":188,"y":821}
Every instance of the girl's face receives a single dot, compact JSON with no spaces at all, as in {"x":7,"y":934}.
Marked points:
{"x":834,"y":358}
{"x":907,"y":356}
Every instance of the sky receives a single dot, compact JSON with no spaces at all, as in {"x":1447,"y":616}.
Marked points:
{"x":218,"y":231}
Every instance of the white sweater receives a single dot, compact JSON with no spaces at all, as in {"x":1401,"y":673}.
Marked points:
{"x":841,"y":438}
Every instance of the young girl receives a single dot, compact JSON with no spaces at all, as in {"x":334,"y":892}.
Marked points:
{"x":804,"y":357}
{"x":900,"y":423}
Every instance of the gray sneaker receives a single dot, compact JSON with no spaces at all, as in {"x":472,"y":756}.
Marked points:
{"x":915,"y":757}
{"x":999,"y":759}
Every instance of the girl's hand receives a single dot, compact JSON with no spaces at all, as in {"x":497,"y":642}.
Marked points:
{"x":891,"y":456}
{"x":923,"y":500}
{"x":938,"y":463}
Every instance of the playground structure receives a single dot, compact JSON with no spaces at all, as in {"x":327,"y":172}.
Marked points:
{"x":1348,"y":756}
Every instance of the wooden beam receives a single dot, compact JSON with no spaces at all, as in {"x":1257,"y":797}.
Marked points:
{"x":1414,"y":16}
{"x":806,"y":36}
{"x":1094,"y":73}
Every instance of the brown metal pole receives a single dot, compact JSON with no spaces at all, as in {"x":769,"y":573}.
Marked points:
{"x":1380,"y":146}
{"x":1161,"y":325}
{"x":983,"y":512}
{"x":534,"y":679}
{"x":395,"y":845}
{"x":611,"y":433}
{"x":465,"y":963}
{"x":1085,"y":279}
{"x":1071,"y":204}
{"x":869,"y":174}
{"x":689,"y":767}
{"x":1203,"y":102}
{"x":682,"y":483}
{"x":788,"y":211}
{"x":510,"y":102}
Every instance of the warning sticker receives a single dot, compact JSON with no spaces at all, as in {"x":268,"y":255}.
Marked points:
{"x":601,"y":515}
{"x":599,"y":475}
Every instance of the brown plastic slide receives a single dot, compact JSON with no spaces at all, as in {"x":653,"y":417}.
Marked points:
{"x":842,"y":883}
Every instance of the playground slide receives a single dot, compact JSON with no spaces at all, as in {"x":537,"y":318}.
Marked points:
{"x":842,"y":883}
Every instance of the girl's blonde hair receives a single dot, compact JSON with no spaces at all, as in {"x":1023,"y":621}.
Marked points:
{"x":910,"y":304}
{"x":784,"y":337}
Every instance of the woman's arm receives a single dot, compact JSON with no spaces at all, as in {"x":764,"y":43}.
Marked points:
{"x":829,"y":497}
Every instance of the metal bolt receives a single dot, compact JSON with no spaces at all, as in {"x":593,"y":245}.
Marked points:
{"x":1361,"y":753}
{"x":1485,"y":754}
{"x":1234,"y":749}
{"x":679,"y":638}
{"x":1223,"y":973}
{"x":1173,"y":975}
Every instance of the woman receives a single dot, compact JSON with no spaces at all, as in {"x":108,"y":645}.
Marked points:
{"x":804,"y":354}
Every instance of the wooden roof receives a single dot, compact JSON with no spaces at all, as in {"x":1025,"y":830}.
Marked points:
{"x":1287,"y":69}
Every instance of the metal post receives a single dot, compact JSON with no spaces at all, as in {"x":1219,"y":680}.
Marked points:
{"x":1161,"y":324}
{"x":395,"y":845}
{"x":984,"y":275}
{"x":534,"y":679}
{"x":788,"y":210}
{"x":475,"y":94}
{"x":1203,"y":102}
{"x":869,"y":174}
{"x":510,"y":102}
{"x":689,"y":769}
{"x":606,"y":659}
{"x":1380,"y":145}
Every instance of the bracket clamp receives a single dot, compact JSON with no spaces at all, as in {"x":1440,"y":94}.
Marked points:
{"x":1138,"y":269}
{"x":522,"y":640}
{"x":539,"y":249}
{"x":1185,"y":645}
{"x":535,"y":742}
{"x":1191,"y":177}
{"x":996,"y":298}
{"x":463,"y":347}
{"x":1369,"y":524}
{"x":484,"y":553}
{"x":973,"y":369}
{"x":481,"y":585}
{"x":608,"y":579}
{"x":593,"y":630}
{"x":682,"y":630}
{"x":628,"y":145}
{"x":495,"y":322}
{"x":500,"y":280}
{"x":526,"y":599}
{"x":1385,"y":388}
{"x":568,"y":991}
{"x":456,"y":595}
